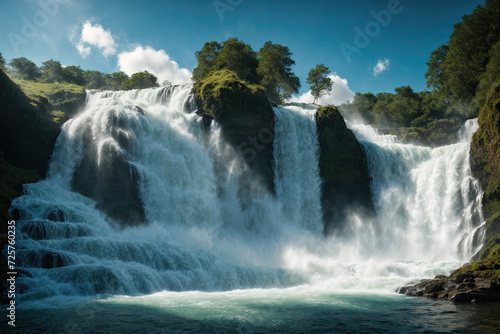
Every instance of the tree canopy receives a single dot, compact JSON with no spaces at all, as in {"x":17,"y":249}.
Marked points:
{"x":271,"y":67}
{"x":140,"y":80}
{"x":457,"y":67}
{"x":232,"y":54}
{"x":275,"y":69}
{"x":52,"y":71}
{"x":319,"y":81}
{"x":24,"y":68}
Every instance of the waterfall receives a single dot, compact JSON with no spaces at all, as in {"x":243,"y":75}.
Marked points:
{"x":179,"y":219}
{"x":142,"y":197}
{"x":428,"y":203}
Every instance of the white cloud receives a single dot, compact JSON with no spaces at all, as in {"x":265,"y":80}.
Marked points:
{"x":157,"y":62}
{"x":340,"y":93}
{"x":83,"y":50}
{"x":381,"y":66}
{"x":95,"y":35}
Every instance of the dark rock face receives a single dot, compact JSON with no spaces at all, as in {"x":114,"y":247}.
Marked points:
{"x":246,"y":119}
{"x":27,"y":133}
{"x":485,"y":152}
{"x":467,"y":287}
{"x":485,"y":165}
{"x":343,"y":168}
{"x":112,"y":182}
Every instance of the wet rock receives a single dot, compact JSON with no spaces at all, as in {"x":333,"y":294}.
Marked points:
{"x":465,"y":287}
{"x":432,"y":288}
{"x":461,"y":277}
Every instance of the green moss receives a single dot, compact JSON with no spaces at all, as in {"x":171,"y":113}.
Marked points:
{"x":59,"y":97}
{"x":58,"y":117}
{"x":489,"y":267}
{"x":485,"y":151}
{"x":244,"y":113}
{"x":222,"y":90}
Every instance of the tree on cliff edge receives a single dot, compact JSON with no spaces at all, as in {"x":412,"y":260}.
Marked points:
{"x":319,"y":81}
{"x":275,"y":68}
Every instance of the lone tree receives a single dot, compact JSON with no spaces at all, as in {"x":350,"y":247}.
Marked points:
{"x":319,"y":81}
{"x":275,"y":68}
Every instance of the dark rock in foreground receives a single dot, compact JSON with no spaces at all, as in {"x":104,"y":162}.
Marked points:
{"x":466,"y":287}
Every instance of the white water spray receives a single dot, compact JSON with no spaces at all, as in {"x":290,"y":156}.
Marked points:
{"x":204,"y":232}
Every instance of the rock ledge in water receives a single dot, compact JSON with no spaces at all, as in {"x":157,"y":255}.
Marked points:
{"x":466,"y":287}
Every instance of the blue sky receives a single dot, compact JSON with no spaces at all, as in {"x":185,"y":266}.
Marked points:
{"x":162,"y":36}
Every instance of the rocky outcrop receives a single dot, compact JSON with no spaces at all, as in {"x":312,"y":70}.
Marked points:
{"x":485,"y":165}
{"x":247,"y":122}
{"x":105,"y":174}
{"x":458,"y":287}
{"x":343,"y":169}
{"x":27,"y":131}
{"x":485,"y":152}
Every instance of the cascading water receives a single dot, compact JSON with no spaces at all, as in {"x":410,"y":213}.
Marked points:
{"x":428,"y":204}
{"x":198,"y":232}
{"x":195,"y":227}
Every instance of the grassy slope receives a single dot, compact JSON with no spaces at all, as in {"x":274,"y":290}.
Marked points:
{"x":60,"y":98}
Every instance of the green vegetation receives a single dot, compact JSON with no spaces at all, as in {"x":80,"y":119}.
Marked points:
{"x":233,"y":55}
{"x":419,"y":117}
{"x":489,"y":267}
{"x":485,"y":164}
{"x":246,"y":119}
{"x":319,"y":81}
{"x":275,"y":69}
{"x":460,"y":74}
{"x":457,"y":68}
{"x":140,"y":80}
{"x":58,"y":99}
{"x":23,"y":68}
{"x":270,"y":67}
{"x":221,"y":90}
{"x":52,"y":71}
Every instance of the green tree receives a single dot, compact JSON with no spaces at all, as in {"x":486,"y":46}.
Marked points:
{"x":460,"y":71}
{"x":233,"y":55}
{"x":52,"y":71}
{"x":275,"y":69}
{"x":489,"y":77}
{"x":94,"y":79}
{"x":115,"y":80}
{"x":2,"y":62}
{"x":140,"y":80}
{"x":239,"y":58}
{"x":434,"y":73}
{"x":319,"y":81}
{"x":24,"y":69}
{"x":73,"y":74}
{"x":361,"y":106}
{"x":207,"y":60}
